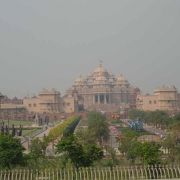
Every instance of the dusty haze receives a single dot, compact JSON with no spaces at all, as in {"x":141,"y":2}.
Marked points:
{"x":46,"y":44}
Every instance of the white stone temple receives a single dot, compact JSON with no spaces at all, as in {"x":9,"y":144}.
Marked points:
{"x":103,"y":91}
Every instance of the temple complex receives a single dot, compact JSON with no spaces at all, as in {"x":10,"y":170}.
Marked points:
{"x":102,"y":91}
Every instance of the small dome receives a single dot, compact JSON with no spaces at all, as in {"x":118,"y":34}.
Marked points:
{"x":121,"y":80}
{"x":80,"y":81}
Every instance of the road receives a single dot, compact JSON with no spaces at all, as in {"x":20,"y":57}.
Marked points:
{"x":26,"y":142}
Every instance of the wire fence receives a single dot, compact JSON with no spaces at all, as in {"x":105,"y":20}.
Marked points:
{"x":115,"y":173}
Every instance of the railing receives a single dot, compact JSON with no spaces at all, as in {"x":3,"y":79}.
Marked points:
{"x":115,"y":173}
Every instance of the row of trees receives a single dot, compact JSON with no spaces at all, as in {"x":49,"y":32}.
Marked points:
{"x":157,"y":118}
{"x":80,"y":150}
{"x":85,"y":147}
{"x":63,"y":128}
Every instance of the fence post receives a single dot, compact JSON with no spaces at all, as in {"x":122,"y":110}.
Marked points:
{"x":146,"y":171}
{"x":172,"y":171}
{"x":167,"y":169}
{"x":178,"y":169}
{"x":160,"y":170}
{"x":129,"y":172}
{"x":87,"y":173}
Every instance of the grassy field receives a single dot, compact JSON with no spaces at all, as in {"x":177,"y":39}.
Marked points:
{"x":30,"y":132}
{"x":17,"y":122}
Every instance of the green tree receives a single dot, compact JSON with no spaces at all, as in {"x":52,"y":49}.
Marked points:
{"x":98,"y":126}
{"x":150,"y":153}
{"x":169,"y":144}
{"x":80,"y":156}
{"x":127,"y":139}
{"x":134,"y":151}
{"x":156,"y":118}
{"x":113,"y":161}
{"x":38,"y":148}
{"x":11,"y":151}
{"x":85,"y":136}
{"x":172,"y":143}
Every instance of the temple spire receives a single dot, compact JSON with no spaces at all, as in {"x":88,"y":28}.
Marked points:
{"x":100,"y":63}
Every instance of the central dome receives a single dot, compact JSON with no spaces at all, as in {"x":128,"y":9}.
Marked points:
{"x":100,"y":71}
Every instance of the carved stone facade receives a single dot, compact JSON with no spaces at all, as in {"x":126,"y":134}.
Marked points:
{"x":164,"y":98}
{"x":103,"y":91}
{"x":47,"y":101}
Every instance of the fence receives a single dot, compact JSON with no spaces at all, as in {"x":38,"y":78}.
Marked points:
{"x":115,"y":173}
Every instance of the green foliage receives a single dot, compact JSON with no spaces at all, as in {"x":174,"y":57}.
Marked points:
{"x":85,"y":136}
{"x":161,"y":119}
{"x":134,"y":150}
{"x":38,"y":148}
{"x":128,"y":132}
{"x":11,"y":151}
{"x":80,"y":156}
{"x":98,"y":126}
{"x":125,"y":142}
{"x":48,"y":163}
{"x":156,"y":118}
{"x":172,"y":144}
{"x":128,"y":137}
{"x":113,"y":161}
{"x":70,"y":129}
{"x":148,"y":153}
{"x":58,"y":131}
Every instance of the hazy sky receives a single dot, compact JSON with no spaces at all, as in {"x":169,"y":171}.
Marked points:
{"x":47,"y":44}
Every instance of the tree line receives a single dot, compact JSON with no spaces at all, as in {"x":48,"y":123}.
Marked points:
{"x":76,"y":150}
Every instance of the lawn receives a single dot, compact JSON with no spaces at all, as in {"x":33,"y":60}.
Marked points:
{"x":30,"y":132}
{"x":17,"y":122}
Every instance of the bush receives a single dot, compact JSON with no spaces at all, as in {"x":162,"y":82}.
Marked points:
{"x":11,"y":151}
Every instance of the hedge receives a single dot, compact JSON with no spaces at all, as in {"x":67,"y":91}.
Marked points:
{"x":63,"y":129}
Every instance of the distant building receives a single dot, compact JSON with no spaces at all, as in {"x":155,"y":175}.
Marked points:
{"x":11,"y":108}
{"x":47,"y":101}
{"x":101,"y":91}
{"x":164,"y":98}
{"x":70,"y":102}
{"x":15,"y":100}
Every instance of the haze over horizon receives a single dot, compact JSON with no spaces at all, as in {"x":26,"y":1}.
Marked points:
{"x":48,"y":44}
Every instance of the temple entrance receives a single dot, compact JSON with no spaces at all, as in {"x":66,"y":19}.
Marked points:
{"x":101,"y":98}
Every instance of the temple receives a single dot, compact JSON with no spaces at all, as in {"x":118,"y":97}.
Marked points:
{"x":102,"y":91}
